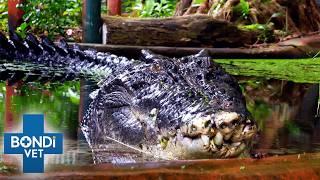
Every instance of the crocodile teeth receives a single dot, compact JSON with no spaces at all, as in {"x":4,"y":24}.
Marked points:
{"x":218,"y":139}
{"x":205,"y":140}
{"x":227,"y":136}
{"x":236,"y":144}
{"x":246,"y":129}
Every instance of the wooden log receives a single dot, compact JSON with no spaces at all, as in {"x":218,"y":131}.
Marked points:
{"x":186,"y":31}
{"x":300,"y":47}
{"x":268,"y":52}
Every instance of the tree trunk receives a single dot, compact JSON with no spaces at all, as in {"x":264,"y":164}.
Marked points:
{"x":304,"y":14}
{"x":186,"y":31}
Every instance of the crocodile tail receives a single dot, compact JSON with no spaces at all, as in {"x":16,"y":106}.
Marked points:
{"x":42,"y":60}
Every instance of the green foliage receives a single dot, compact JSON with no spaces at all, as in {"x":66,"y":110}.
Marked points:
{"x":265,"y":31}
{"x":260,"y":111}
{"x":3,"y":15}
{"x":150,"y":8}
{"x":253,"y":27}
{"x":197,"y":2}
{"x":296,"y":70}
{"x":242,"y":9}
{"x":50,"y":17}
{"x":22,"y":29}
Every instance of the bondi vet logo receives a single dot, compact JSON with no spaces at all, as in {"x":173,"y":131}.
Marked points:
{"x":33,"y":143}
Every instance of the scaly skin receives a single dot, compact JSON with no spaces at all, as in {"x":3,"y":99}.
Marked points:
{"x":173,"y":108}
{"x":176,"y":108}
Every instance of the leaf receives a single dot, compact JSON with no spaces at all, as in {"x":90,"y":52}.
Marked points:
{"x":197,"y":2}
{"x":275,"y":15}
{"x":242,"y":8}
{"x":23,"y":26}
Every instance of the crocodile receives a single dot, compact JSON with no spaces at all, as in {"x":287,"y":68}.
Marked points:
{"x":175,"y":108}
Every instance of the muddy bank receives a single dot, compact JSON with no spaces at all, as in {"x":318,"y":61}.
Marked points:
{"x":306,"y":166}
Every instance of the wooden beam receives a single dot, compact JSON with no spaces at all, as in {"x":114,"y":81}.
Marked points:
{"x":274,"y":51}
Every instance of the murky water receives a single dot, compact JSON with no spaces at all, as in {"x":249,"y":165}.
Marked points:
{"x":286,"y":113}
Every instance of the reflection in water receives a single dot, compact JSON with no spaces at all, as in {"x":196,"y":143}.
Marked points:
{"x":303,"y":133}
{"x":285,"y":111}
{"x":287,"y":116}
{"x":59,"y":103}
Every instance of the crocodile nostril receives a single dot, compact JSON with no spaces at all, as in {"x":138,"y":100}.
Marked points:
{"x":193,"y":128}
{"x":207,"y":123}
{"x":230,"y":124}
{"x":235,"y":122}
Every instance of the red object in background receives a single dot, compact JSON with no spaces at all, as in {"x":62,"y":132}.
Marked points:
{"x":8,"y":124}
{"x":9,"y":116}
{"x":14,"y":14}
{"x":14,"y":20}
{"x":114,"y":7}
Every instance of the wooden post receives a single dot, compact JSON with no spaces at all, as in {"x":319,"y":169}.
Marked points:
{"x":14,"y":14}
{"x":114,"y":7}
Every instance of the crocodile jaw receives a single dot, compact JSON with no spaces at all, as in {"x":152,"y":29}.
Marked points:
{"x":223,"y":135}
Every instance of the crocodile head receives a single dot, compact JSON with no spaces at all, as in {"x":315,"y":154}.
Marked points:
{"x":213,"y":119}
{"x":177,"y":108}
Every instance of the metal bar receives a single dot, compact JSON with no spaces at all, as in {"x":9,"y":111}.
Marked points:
{"x":91,"y":21}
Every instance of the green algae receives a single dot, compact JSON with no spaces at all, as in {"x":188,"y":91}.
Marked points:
{"x":296,"y":70}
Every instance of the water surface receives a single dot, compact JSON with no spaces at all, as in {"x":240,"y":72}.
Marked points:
{"x":282,"y":96}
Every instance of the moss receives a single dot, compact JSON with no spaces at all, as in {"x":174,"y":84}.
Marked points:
{"x":264,"y":30}
{"x":253,"y":27}
{"x":296,"y":70}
